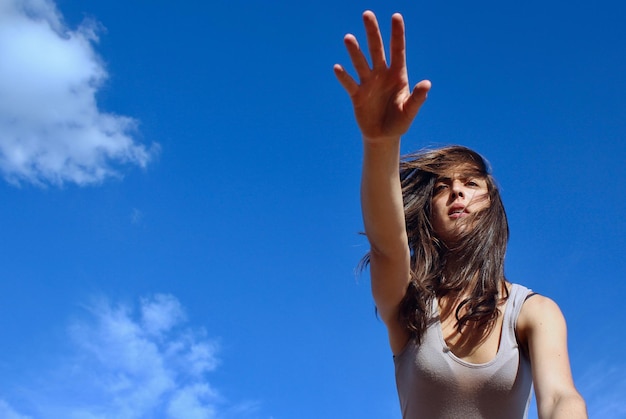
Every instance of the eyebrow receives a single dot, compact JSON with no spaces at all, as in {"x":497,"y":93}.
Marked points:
{"x":443,"y":179}
{"x":450,"y":179}
{"x":463,"y":177}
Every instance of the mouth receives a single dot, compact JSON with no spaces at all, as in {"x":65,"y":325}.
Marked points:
{"x":457,"y":211}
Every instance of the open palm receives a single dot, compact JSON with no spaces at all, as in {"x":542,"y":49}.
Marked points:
{"x":384,"y":105}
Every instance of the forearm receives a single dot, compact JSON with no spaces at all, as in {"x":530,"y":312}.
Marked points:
{"x":381,"y":198}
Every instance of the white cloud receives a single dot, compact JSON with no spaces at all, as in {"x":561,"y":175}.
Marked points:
{"x":143,"y":362}
{"x":131,"y":362}
{"x":136,"y":216}
{"x":187,"y":403}
{"x":160,"y":313}
{"x":51,"y":130}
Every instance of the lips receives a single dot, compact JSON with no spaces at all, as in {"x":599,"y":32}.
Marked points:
{"x":457,"y":211}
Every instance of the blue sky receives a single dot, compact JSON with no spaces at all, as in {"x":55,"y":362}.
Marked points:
{"x":180,"y":210}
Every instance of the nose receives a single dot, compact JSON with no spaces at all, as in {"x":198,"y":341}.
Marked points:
{"x":457,"y":190}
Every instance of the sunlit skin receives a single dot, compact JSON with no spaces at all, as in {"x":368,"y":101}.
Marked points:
{"x":385,"y":105}
{"x":456,"y":197}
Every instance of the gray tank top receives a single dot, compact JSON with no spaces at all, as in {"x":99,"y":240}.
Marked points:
{"x":433,"y":383}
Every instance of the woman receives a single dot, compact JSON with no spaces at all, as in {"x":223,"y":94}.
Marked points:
{"x":466,"y":342}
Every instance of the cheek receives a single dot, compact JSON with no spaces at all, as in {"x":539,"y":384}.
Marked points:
{"x":480,"y":202}
{"x":436,"y":208}
{"x":437,"y":217}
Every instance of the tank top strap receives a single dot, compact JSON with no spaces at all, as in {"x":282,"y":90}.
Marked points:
{"x":516,"y":299}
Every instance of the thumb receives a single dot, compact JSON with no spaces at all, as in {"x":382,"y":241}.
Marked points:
{"x":417,"y":98}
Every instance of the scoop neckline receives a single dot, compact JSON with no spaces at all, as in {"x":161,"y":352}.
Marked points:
{"x":446,"y":349}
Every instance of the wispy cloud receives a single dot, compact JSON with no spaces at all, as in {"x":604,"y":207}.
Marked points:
{"x":7,"y":412}
{"x":132,"y":362}
{"x":604,"y":386}
{"x":51,"y":129}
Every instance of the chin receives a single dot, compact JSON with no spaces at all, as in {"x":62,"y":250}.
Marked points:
{"x":454,"y":235}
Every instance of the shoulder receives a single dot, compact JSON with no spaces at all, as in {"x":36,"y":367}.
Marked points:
{"x":537,"y":307}
{"x":539,"y":313}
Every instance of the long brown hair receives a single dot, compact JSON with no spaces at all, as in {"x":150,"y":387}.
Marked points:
{"x":478,"y":254}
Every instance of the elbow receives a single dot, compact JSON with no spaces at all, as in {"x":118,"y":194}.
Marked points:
{"x":389,"y":251}
{"x":387,"y":242}
{"x":564,"y":406}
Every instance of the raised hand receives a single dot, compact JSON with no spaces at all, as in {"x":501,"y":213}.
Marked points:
{"x":384,"y":105}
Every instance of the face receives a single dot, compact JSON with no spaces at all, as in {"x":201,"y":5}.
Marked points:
{"x":456,"y":198}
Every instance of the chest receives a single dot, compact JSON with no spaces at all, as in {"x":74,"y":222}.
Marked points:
{"x":477,"y":345}
{"x":434,"y":383}
{"x":482,"y":375}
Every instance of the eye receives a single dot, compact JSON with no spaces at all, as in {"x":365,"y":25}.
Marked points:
{"x":472,"y":183}
{"x":440,"y":187}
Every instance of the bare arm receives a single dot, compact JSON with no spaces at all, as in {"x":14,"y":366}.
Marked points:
{"x":384,"y":107}
{"x":542,"y":325}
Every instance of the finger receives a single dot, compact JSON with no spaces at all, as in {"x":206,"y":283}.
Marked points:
{"x":356,"y":56}
{"x":417,"y":98}
{"x":398,"y":42}
{"x":345,"y":79}
{"x":374,"y":40}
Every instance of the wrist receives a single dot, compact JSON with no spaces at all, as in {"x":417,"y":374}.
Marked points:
{"x":381,"y":142}
{"x":384,"y":152}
